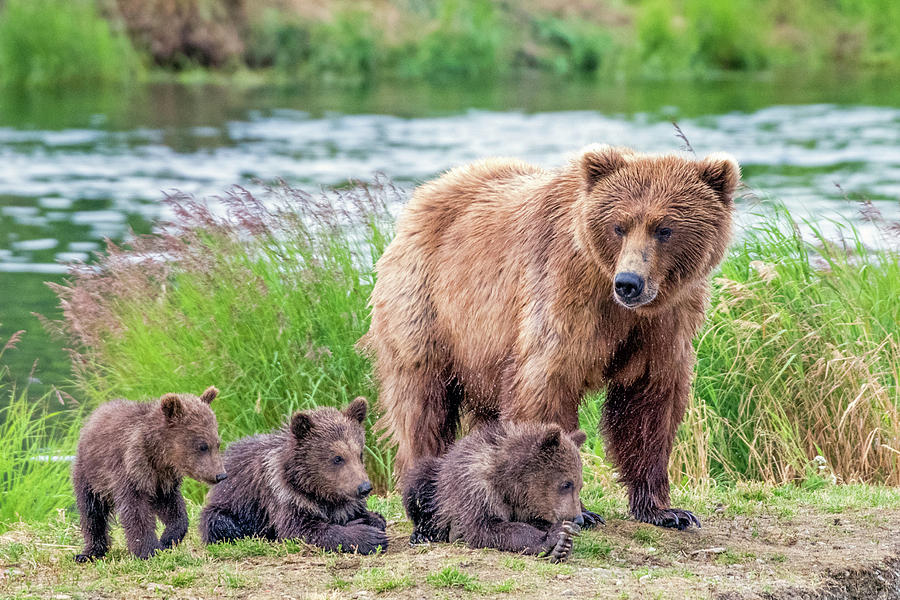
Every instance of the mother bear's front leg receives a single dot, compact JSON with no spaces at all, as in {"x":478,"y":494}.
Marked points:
{"x":640,"y":419}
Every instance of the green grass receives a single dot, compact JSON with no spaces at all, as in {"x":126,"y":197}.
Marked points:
{"x":52,"y":43}
{"x":271,"y":319}
{"x":800,"y":358}
{"x":33,"y":479}
{"x":452,"y":577}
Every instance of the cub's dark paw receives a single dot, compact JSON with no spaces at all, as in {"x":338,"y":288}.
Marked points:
{"x":591,"y":519}
{"x":675,"y":518}
{"x":418,"y":537}
{"x":366,"y":539}
{"x":376,"y":520}
{"x":83,"y":558}
{"x":171,"y":541}
{"x":563,"y":548}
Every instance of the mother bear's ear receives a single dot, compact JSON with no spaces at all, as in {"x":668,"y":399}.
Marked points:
{"x":599,"y":161}
{"x":721,"y":172}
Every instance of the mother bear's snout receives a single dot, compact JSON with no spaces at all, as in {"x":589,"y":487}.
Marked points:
{"x":628,"y":285}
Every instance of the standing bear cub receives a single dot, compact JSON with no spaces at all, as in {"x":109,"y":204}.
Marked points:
{"x":511,"y":291}
{"x":132,"y":457}
{"x":509,"y":486}
{"x":306,"y":481}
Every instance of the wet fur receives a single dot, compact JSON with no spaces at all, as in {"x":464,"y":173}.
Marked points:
{"x":280,"y":486}
{"x":495,"y":301}
{"x":498,"y":488}
{"x":131,"y":459}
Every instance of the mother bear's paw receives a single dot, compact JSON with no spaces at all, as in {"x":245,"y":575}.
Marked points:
{"x":676,"y":518}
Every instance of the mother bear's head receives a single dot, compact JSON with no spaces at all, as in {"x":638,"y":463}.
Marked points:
{"x":653,"y":223}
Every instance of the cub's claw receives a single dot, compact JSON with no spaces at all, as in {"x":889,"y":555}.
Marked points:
{"x":83,"y":558}
{"x":563,"y":548}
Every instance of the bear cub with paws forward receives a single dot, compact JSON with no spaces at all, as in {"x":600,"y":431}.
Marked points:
{"x":509,"y":486}
{"x":306,"y":481}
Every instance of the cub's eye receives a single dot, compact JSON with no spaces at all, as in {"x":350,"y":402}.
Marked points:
{"x":618,"y":230}
{"x":663,"y":233}
{"x":337,"y":460}
{"x":566,"y":487}
{"x":203,"y":447}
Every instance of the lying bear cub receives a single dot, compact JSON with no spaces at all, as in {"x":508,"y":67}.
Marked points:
{"x":132,"y":457}
{"x":306,"y":481}
{"x":507,"y":486}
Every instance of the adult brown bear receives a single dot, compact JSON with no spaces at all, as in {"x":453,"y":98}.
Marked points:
{"x":510,"y":291}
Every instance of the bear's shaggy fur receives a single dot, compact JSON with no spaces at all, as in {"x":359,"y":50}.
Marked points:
{"x":306,"y":481}
{"x":508,"y":486}
{"x":132,"y":457}
{"x":510,"y":291}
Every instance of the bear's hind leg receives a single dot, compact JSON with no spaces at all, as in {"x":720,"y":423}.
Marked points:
{"x":219,"y":526}
{"x":94,"y":515}
{"x":418,"y":414}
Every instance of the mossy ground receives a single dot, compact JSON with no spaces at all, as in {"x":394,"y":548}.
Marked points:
{"x":755,"y":540}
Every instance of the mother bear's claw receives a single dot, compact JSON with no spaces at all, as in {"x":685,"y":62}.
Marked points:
{"x":675,"y":518}
{"x":591,"y":519}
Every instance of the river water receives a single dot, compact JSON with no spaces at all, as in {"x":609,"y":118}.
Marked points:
{"x":80,"y":166}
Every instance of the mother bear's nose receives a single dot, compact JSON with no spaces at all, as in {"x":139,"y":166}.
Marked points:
{"x":628,"y":285}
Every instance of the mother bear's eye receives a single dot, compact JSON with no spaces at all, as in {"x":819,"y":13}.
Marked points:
{"x":663,"y":233}
{"x":619,"y":231}
{"x":337,"y":460}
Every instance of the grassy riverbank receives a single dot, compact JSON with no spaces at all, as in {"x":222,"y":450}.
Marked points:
{"x":54,"y":42}
{"x":780,"y":542}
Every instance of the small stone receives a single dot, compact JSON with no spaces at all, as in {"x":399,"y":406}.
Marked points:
{"x":62,"y":597}
{"x":567,"y":593}
{"x":563,"y":576}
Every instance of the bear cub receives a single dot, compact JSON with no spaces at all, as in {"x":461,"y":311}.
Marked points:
{"x":306,"y":481}
{"x":509,"y":486}
{"x":132,"y":457}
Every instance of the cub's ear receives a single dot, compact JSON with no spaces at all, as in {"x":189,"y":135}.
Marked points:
{"x":579,"y":437}
{"x":301,"y":424}
{"x":721,"y":172}
{"x":171,"y":406}
{"x":551,"y":439}
{"x":599,"y":161}
{"x":210,"y":394}
{"x":356,"y":410}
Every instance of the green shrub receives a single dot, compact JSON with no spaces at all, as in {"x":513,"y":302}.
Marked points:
{"x":467,"y":40}
{"x":574,"y":46}
{"x":727,"y":34}
{"x":61,"y":42}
